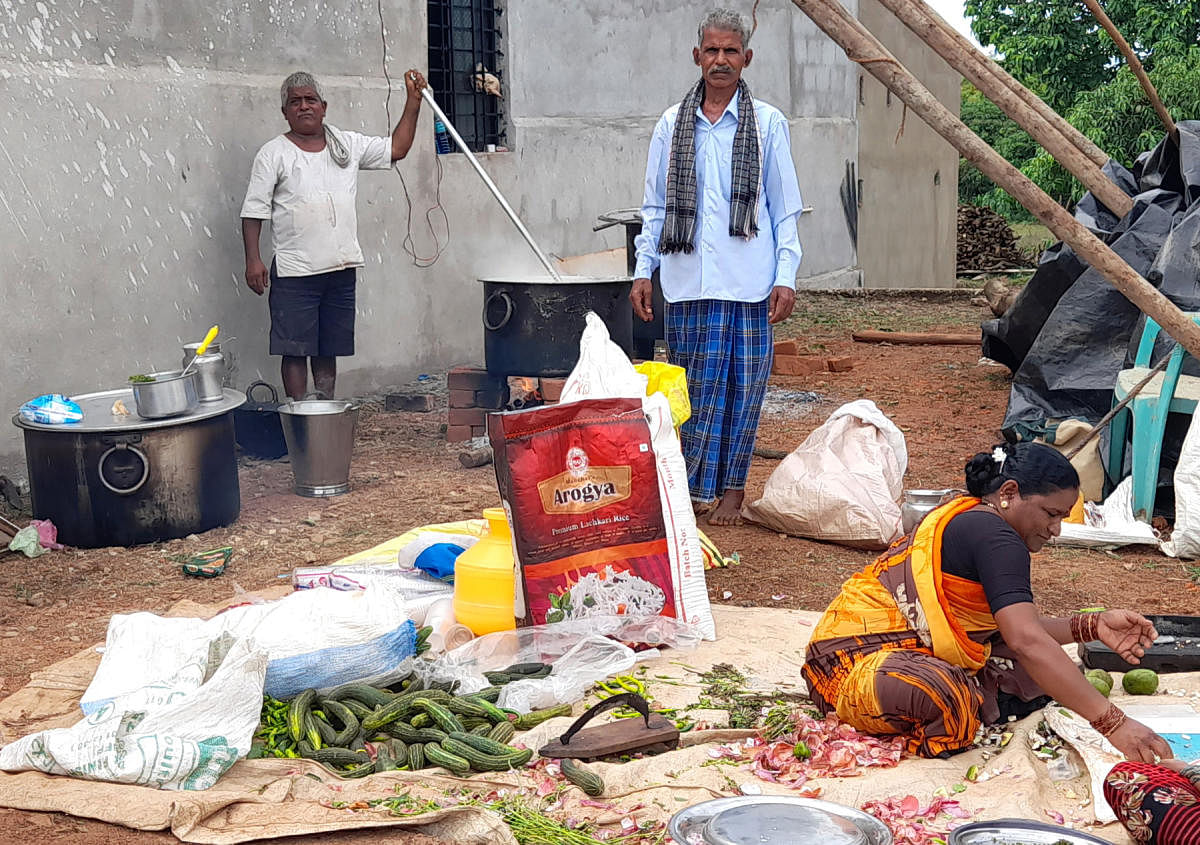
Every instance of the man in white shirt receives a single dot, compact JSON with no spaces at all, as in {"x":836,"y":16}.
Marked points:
{"x":305,"y":182}
{"x":719,"y":221}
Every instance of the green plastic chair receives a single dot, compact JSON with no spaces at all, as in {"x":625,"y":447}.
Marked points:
{"x":1168,"y":392}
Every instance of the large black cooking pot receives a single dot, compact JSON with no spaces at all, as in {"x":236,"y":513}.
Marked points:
{"x":114,"y":480}
{"x":532,"y":327}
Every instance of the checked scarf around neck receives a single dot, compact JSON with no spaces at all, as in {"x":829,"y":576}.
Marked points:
{"x":679,"y":227}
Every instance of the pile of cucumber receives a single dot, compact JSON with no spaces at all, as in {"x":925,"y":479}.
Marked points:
{"x":358,"y":729}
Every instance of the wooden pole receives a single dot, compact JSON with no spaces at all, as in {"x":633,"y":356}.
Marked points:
{"x":1084,"y":143}
{"x":1135,"y":65}
{"x":961,"y":55}
{"x":916,"y":338}
{"x":864,"y":49}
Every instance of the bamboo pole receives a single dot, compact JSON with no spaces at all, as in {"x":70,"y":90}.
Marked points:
{"x":863,"y":48}
{"x":1135,"y":65}
{"x":963,"y":57}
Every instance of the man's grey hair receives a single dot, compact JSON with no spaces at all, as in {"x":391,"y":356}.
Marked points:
{"x":727,"y":20}
{"x":299,"y":79}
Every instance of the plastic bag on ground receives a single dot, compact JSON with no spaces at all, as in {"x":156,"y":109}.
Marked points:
{"x":582,"y":651}
{"x":316,"y":638}
{"x":1185,"y":538}
{"x":181,"y":727}
{"x":1109,"y":524}
{"x":841,"y":484}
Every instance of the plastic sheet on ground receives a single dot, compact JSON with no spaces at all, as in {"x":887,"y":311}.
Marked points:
{"x":259,"y":799}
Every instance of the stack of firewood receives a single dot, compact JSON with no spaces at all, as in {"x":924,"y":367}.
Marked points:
{"x":986,"y":242}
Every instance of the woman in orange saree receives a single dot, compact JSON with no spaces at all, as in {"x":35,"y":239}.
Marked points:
{"x":941,"y":635}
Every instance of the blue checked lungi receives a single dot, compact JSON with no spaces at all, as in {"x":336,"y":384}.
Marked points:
{"x":726,"y":348}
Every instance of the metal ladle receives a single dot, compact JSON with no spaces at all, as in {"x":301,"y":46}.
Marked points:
{"x":512,"y":215}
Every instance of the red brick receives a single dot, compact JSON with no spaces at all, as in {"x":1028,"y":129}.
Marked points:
{"x":466,"y":416}
{"x":552,"y":388}
{"x":463,"y":399}
{"x":458,"y":433}
{"x":841,"y":365}
{"x":419,"y":402}
{"x":787,"y":347}
{"x":472,"y":378}
{"x":495,"y":398}
{"x":797,"y":365}
{"x":479,"y":431}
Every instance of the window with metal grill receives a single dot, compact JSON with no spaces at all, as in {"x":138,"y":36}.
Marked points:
{"x":464,"y":68}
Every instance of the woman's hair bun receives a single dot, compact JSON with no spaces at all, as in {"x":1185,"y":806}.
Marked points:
{"x":981,"y":471}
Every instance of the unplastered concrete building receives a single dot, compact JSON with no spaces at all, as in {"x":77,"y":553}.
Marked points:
{"x":132,"y":124}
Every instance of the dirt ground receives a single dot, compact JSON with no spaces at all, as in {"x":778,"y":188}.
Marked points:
{"x":948,"y":405}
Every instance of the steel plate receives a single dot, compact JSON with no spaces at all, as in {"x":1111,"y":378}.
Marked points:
{"x":1020,"y":832}
{"x":98,"y":415}
{"x":687,"y":826}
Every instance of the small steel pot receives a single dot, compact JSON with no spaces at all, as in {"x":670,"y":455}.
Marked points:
{"x":170,"y":394}
{"x":918,"y":503}
{"x":210,"y":377}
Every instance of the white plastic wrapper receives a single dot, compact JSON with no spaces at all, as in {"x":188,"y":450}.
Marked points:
{"x":581,"y":652}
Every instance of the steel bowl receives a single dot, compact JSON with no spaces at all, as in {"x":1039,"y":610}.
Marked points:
{"x":775,"y":819}
{"x":169,"y":395}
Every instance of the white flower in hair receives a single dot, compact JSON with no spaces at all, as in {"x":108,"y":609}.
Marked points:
{"x":999,"y":456}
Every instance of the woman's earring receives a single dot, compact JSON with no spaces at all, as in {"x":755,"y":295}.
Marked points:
{"x":1004,"y":503}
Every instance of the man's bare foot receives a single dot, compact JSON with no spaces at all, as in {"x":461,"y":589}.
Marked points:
{"x":701,"y":508}
{"x":729,"y":510}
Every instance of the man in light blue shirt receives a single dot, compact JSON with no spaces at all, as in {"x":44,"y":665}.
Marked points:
{"x":719,"y":222}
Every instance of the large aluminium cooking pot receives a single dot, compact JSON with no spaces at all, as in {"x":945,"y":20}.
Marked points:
{"x":114,"y":480}
{"x":532,"y":326}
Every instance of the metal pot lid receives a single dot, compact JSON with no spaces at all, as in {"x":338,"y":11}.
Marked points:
{"x":315,"y":407}
{"x":770,"y":819}
{"x":563,"y":280}
{"x":1020,"y":832}
{"x":98,"y":415}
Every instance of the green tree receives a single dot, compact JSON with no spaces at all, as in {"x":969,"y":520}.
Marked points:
{"x":1119,"y":118}
{"x":1056,"y":47}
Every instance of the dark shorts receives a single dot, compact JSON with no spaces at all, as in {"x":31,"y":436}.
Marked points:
{"x":312,"y":316}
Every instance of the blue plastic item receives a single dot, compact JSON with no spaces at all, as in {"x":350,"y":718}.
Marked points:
{"x":51,"y":409}
{"x":438,"y":560}
{"x":1167,"y":393}
{"x":441,"y":136}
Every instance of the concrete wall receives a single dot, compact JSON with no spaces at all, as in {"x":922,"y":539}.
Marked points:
{"x":913,"y":178}
{"x":134,"y":122}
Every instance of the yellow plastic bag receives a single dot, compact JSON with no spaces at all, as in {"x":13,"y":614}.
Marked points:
{"x":670,"y":381}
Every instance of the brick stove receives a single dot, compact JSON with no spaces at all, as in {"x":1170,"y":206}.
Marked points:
{"x":474,"y":394}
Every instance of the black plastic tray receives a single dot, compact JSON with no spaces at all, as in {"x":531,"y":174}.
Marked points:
{"x":1179,"y":653}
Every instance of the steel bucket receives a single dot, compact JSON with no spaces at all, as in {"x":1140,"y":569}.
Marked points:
{"x":320,"y":442}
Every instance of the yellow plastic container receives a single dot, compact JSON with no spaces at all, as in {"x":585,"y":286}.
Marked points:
{"x":483,"y":579}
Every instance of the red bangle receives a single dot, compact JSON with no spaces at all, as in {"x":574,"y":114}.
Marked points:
{"x":1112,"y":719}
{"x":1085,"y":627}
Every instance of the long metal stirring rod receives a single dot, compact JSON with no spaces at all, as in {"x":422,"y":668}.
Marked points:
{"x":487,"y":180}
